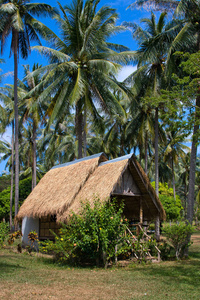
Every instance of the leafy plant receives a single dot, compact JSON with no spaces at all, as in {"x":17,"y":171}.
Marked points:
{"x":25,"y":186}
{"x":91,"y":235}
{"x":166,"y":250}
{"x":33,"y":239}
{"x":173,"y":207}
{"x":4,"y":230}
{"x":177,"y":235}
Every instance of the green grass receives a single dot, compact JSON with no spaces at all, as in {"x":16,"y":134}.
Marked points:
{"x":34,"y":277}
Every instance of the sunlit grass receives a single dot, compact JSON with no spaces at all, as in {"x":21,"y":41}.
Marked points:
{"x":33,"y":277}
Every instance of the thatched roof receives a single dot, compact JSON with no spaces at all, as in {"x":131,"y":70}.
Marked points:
{"x":63,"y":188}
{"x":57,"y":189}
{"x":101,"y":184}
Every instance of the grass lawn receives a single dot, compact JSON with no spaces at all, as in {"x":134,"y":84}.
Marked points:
{"x":33,"y":277}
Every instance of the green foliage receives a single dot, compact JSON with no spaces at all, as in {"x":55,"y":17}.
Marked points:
{"x":14,"y":236}
{"x":4,"y":230}
{"x":177,"y":235}
{"x":92,"y":235}
{"x":4,"y":182}
{"x":143,"y":246}
{"x":33,"y":241}
{"x":25,"y":187}
{"x":167,"y":251}
{"x":172,"y":207}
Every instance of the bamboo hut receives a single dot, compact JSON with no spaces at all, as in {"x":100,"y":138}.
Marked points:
{"x":65,"y":186}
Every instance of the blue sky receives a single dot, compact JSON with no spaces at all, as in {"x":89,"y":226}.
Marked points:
{"x":124,"y":38}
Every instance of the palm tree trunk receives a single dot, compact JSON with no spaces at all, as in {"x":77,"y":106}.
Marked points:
{"x":156,"y":154}
{"x":173,"y":180}
{"x":12,"y":173}
{"x":146,"y":156}
{"x":122,"y":152}
{"x":84,"y":133}
{"x":34,"y":157}
{"x":191,"y":189}
{"x":157,"y":222}
{"x":79,"y":122}
{"x":15,"y":46}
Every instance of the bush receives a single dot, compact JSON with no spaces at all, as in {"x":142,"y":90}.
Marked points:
{"x":177,"y":235}
{"x":92,"y":235}
{"x":25,"y":187}
{"x":172,"y":207}
{"x":167,"y":251}
{"x":4,"y":230}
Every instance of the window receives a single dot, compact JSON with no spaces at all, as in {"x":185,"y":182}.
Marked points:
{"x":47,"y":225}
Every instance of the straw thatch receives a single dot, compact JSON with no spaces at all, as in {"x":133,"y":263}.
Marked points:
{"x":63,"y":188}
{"x":58,"y":188}
{"x":103,"y":182}
{"x":99,"y":185}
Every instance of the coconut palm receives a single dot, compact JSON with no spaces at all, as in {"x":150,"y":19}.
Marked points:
{"x":7,"y":111}
{"x":174,"y":150}
{"x":17,"y":21}
{"x":188,"y":38}
{"x":151,"y":65}
{"x":32,"y":109}
{"x":82,"y":66}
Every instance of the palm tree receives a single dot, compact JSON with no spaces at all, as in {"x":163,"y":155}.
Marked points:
{"x":151,"y":66}
{"x":174,"y":150}
{"x":7,"y":97}
{"x":17,"y":20}
{"x":83,"y":64}
{"x":58,"y":145}
{"x":32,"y":110}
{"x":188,"y":38}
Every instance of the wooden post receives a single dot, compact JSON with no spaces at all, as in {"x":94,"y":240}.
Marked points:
{"x":141,"y":218}
{"x":157,"y":228}
{"x":141,"y":212}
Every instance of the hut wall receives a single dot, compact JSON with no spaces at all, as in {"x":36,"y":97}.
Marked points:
{"x":127,"y":185}
{"x":29,"y":224}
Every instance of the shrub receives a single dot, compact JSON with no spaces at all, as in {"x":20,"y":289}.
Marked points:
{"x":4,"y":230}
{"x":33,"y":241}
{"x":166,"y":250}
{"x":173,"y":207}
{"x":25,"y":187}
{"x":14,"y":236}
{"x":177,"y":235}
{"x":91,"y":235}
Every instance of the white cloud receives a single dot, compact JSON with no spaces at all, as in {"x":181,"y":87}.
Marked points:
{"x":125,"y":72}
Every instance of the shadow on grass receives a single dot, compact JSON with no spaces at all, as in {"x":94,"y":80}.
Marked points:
{"x":184,"y":272}
{"x":194,"y":254}
{"x":9,"y":268}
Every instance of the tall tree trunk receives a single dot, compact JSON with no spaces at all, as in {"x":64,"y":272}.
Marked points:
{"x":85,"y":132}
{"x":157,"y":222}
{"x":156,"y":154}
{"x":12,"y":173}
{"x":15,"y":46}
{"x":79,"y":123}
{"x":146,"y":154}
{"x":122,"y":152}
{"x":173,"y":180}
{"x":191,"y":189}
{"x":34,"y":174}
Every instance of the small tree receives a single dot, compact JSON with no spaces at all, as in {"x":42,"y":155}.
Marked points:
{"x":177,"y":234}
{"x":91,"y":235}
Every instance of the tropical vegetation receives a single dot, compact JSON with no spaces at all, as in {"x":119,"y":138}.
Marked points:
{"x":74,"y":105}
